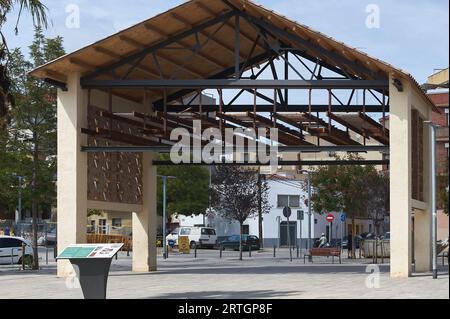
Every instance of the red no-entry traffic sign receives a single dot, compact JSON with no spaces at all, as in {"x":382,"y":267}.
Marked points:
{"x":330,"y":218}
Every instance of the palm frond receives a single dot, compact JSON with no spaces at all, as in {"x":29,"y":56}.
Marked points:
{"x":37,"y":10}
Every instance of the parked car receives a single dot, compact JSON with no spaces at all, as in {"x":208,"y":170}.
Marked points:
{"x":11,"y":250}
{"x":48,"y":239}
{"x":386,"y":236}
{"x":179,"y":231}
{"x":248,"y":242}
{"x":358,"y":240}
{"x":200,"y":237}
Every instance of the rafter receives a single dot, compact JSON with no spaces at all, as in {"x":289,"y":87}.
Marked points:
{"x":140,"y":45}
{"x":207,"y":34}
{"x":118,"y":57}
{"x":205,"y":57}
{"x":228,"y":24}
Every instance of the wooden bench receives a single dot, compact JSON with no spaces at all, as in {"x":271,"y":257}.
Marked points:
{"x":323,"y":252}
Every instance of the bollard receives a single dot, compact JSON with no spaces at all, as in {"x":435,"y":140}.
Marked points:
{"x":167,"y":252}
{"x":46,"y":254}
{"x":220,"y":254}
{"x":298,"y":252}
{"x":373,"y":252}
{"x":250,"y":252}
{"x":12,"y":256}
{"x":274,"y":251}
{"x":128,"y":250}
{"x":23,"y":256}
{"x":382,"y":253}
{"x":195,"y":251}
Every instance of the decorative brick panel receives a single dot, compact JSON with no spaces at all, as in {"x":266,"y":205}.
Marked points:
{"x":113,"y":177}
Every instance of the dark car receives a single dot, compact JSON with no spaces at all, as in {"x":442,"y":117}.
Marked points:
{"x":248,"y":242}
{"x":358,"y":240}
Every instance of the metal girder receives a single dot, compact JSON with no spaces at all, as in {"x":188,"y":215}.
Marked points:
{"x":282,"y":163}
{"x":309,"y":45}
{"x":281,"y":148}
{"x":221,"y":75}
{"x":281,"y":108}
{"x":235,"y":84}
{"x":160,"y":45}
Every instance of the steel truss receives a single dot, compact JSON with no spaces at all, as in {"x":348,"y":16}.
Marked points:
{"x":172,"y":111}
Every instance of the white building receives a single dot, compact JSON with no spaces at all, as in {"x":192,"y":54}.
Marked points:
{"x":282,"y":192}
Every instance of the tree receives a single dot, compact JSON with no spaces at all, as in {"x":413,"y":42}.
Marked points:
{"x":38,"y":13}
{"x":32,"y":132}
{"x":377,"y":184}
{"x":188,"y":193}
{"x":342,"y":188}
{"x":236,"y":195}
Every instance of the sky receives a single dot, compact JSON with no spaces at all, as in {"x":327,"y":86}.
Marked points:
{"x":412,"y":34}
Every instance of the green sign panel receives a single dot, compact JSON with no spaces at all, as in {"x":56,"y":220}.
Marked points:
{"x":90,"y":251}
{"x":76,"y":252}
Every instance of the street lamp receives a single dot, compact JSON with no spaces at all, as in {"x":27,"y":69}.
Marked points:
{"x":433,"y":128}
{"x":164,"y":178}
{"x":309,"y":207}
{"x":18,"y":215}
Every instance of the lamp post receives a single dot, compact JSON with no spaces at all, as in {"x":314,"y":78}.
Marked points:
{"x":18,"y":215}
{"x":309,"y":208}
{"x":433,"y":128}
{"x":164,"y":178}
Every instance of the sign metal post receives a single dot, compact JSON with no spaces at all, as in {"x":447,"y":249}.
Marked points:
{"x":93,"y":261}
{"x":287,"y":213}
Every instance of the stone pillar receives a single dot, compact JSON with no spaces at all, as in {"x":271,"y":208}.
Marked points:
{"x":400,"y":180}
{"x":72,"y":170}
{"x":145,"y":221}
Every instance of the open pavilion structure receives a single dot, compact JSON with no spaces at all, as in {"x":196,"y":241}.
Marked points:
{"x":120,"y":98}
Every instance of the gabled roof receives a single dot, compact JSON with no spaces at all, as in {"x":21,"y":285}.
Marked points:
{"x":218,"y":54}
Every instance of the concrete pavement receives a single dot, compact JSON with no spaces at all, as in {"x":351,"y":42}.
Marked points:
{"x":261,"y":276}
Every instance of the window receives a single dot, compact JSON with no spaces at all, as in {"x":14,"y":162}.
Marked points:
{"x":117,"y":222}
{"x":288,"y":200}
{"x":208,"y":231}
{"x":185,"y":231}
{"x":10,"y":243}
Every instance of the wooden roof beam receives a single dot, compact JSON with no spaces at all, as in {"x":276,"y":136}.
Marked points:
{"x":285,"y":135}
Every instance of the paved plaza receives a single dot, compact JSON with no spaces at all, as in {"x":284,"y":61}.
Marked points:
{"x":208,"y":276}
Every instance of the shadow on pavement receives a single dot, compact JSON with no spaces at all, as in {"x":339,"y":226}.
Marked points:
{"x":262,"y":270}
{"x":258,"y":294}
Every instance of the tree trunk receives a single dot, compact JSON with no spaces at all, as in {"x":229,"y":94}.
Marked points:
{"x":353,"y":239}
{"x":260,"y":213}
{"x":34,"y":204}
{"x":240,"y":240}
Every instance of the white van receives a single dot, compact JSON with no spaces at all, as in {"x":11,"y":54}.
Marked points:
{"x":11,"y":250}
{"x":198,"y":236}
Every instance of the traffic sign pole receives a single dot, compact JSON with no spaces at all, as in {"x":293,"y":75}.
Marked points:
{"x":287,"y":213}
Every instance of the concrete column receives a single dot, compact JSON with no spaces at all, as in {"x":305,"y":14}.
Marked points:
{"x":72,"y":169}
{"x":422,"y":240}
{"x":145,"y":221}
{"x":400,"y":180}
{"x":422,"y":221}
